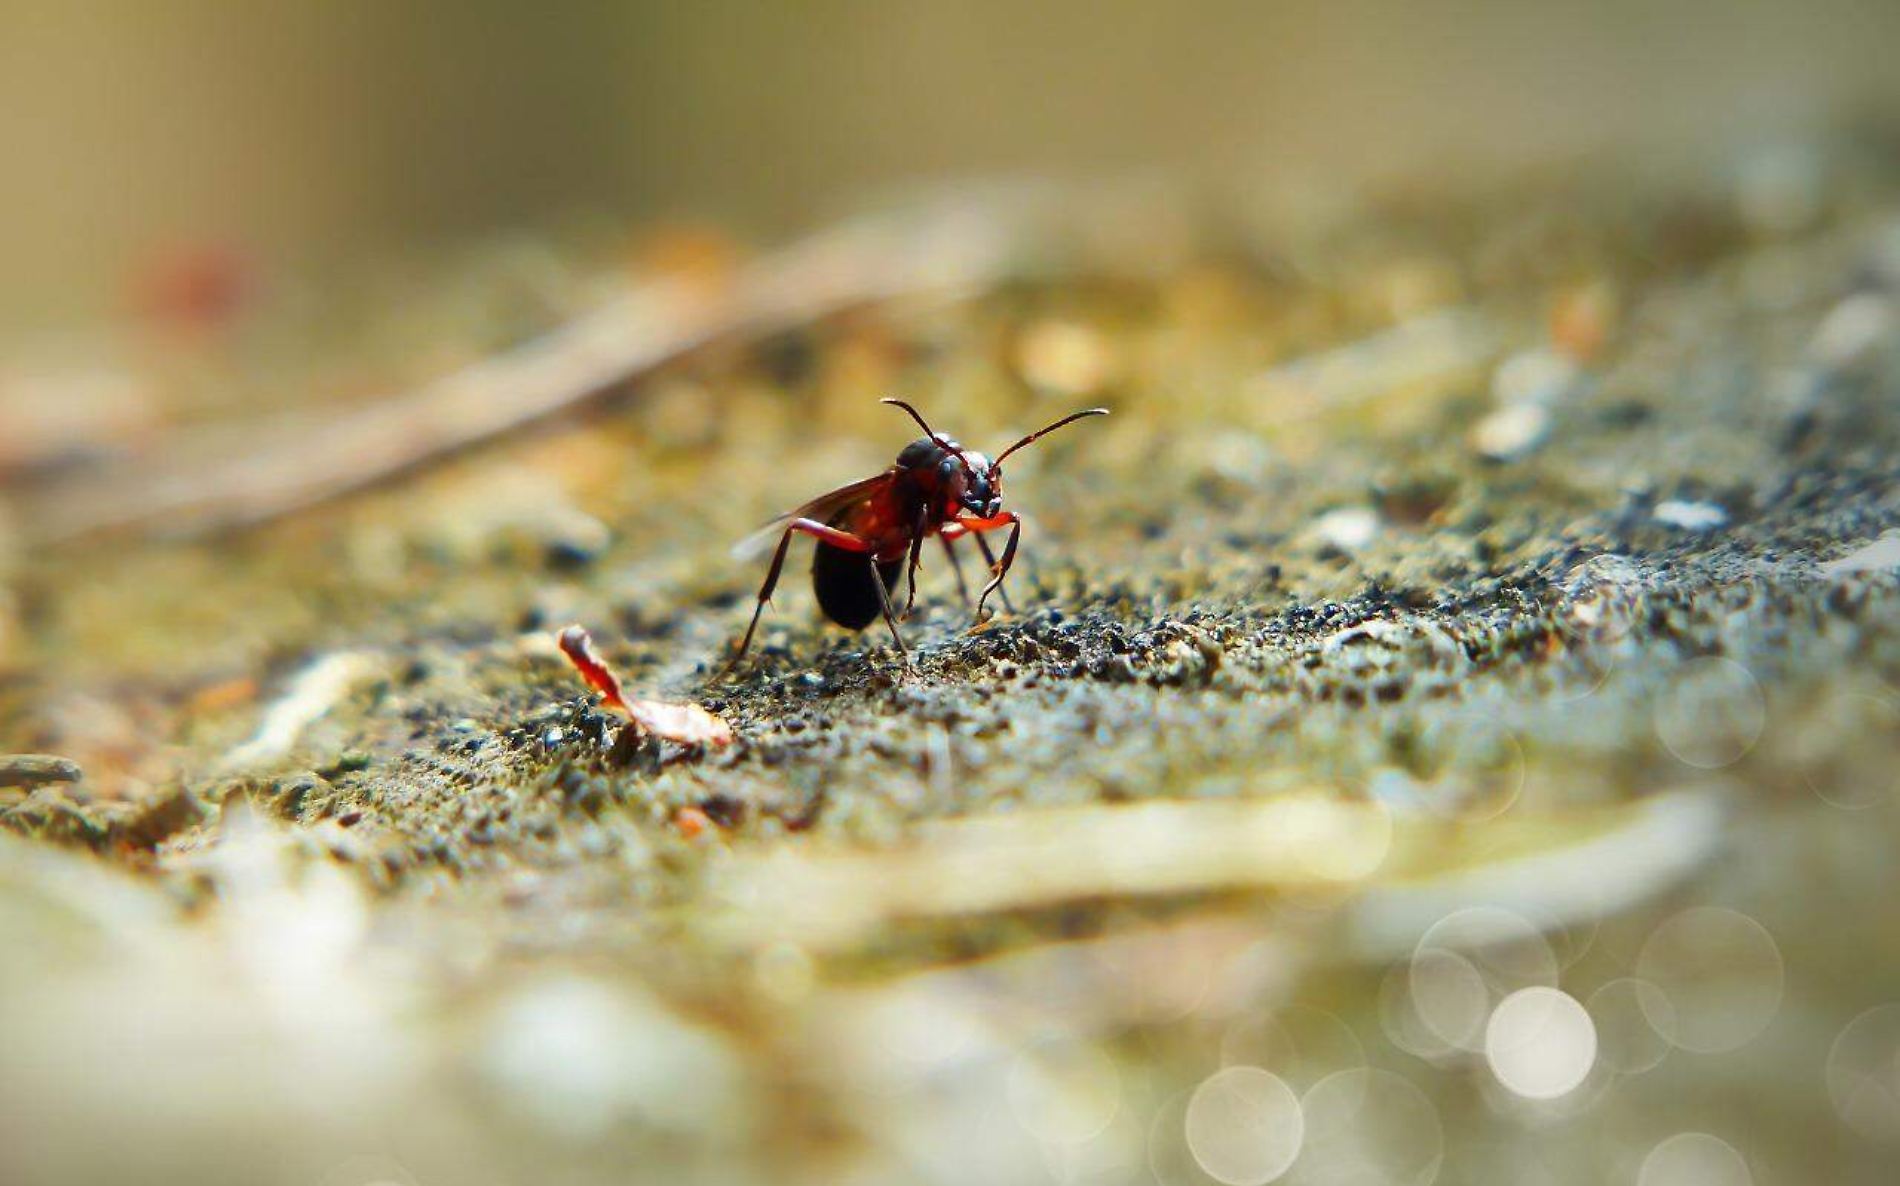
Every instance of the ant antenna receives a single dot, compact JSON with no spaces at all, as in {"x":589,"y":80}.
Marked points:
{"x":914,"y":415}
{"x":1071,"y":418}
{"x":930,"y":432}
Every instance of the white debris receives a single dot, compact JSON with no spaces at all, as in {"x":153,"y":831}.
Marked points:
{"x":1349,"y":528}
{"x":1690,"y":516}
{"x":1879,"y":556}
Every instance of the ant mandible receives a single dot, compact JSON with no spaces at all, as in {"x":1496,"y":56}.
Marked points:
{"x":865,"y":530}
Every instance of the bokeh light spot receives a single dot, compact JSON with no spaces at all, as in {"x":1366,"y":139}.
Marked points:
{"x":1712,"y":714}
{"x":1065,"y":1092}
{"x":1244,"y":1126}
{"x":1540,"y":1043}
{"x":1863,"y":1074}
{"x":1398,"y":1017}
{"x":1841,"y":773}
{"x":1635,"y":1025}
{"x":1694,"y":1159}
{"x":1449,"y":996}
{"x":1475,"y":770}
{"x":1369,"y":1127}
{"x":1721,"y":973}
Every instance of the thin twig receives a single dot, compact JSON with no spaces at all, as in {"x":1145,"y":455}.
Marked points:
{"x":195,"y":486}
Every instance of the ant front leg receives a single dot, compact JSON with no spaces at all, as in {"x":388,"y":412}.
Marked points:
{"x":989,"y":558}
{"x":818,"y":531}
{"x":918,"y":530}
{"x":1000,"y":568}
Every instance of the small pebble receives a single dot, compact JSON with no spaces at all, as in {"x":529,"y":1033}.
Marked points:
{"x":1853,"y":329}
{"x":32,"y":770}
{"x":1582,"y":319}
{"x":1512,"y":432}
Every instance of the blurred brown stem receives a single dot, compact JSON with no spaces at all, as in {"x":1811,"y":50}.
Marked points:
{"x":194,"y":486}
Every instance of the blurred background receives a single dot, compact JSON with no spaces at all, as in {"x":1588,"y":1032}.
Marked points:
{"x":296,"y":135}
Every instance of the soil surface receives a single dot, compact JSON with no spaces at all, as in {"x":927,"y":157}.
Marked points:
{"x":1446,"y":729}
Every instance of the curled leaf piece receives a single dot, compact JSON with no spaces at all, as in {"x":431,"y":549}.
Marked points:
{"x":687,"y":724}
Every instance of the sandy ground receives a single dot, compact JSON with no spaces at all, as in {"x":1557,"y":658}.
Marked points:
{"x":1446,"y":732}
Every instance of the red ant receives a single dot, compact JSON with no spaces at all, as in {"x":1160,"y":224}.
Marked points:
{"x":864,"y":530}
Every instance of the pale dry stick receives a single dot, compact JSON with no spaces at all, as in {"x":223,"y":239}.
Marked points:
{"x":197,"y":486}
{"x":834,"y":899}
{"x":1402,"y":873}
{"x":311,"y":695}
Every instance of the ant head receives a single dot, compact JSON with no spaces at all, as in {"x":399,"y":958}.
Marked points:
{"x":981,"y":490}
{"x":975,"y":480}
{"x":962,"y":477}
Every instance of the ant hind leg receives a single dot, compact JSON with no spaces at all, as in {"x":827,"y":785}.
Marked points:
{"x":819,"y":531}
{"x":890,"y":615}
{"x":956,"y":569}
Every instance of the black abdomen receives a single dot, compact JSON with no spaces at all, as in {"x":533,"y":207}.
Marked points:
{"x":842,"y":581}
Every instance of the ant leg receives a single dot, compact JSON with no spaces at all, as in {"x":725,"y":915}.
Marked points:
{"x":916,"y":557}
{"x":884,"y":600}
{"x":1001,"y":568}
{"x":989,"y":558}
{"x":816,"y":530}
{"x":956,"y":566}
{"x":765,"y":595}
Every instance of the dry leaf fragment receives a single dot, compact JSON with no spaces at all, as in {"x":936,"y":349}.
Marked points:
{"x":687,"y":724}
